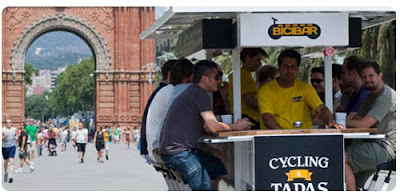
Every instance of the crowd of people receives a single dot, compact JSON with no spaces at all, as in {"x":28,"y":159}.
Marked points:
{"x":31,"y":138}
{"x":180,"y":111}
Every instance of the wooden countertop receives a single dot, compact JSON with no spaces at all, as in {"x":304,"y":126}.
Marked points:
{"x":293,"y":131}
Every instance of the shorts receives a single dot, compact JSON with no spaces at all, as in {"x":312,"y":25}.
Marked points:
{"x":116,"y":137}
{"x":197,"y":168}
{"x":81,"y":147}
{"x":8,"y":152}
{"x":23,"y":155}
{"x":366,"y":155}
{"x":31,"y":146}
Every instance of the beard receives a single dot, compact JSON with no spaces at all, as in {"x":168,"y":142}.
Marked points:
{"x":370,"y":86}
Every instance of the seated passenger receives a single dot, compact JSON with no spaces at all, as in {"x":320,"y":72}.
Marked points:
{"x":351,"y":77}
{"x":377,"y":111}
{"x":181,"y":72}
{"x":287,"y":99}
{"x":165,"y":70}
{"x":251,"y":59}
{"x":189,"y":117}
{"x":266,"y":74}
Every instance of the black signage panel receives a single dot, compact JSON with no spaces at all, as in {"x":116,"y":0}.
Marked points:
{"x":207,"y":34}
{"x":299,"y":163}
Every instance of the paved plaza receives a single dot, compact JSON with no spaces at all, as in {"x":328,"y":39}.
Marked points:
{"x":126,"y":170}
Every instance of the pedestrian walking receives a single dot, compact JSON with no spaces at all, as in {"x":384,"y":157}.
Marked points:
{"x":106,"y":132}
{"x":64,"y":138}
{"x":31,"y":129}
{"x":23,"y":137}
{"x":73,"y":137}
{"x":99,"y":144}
{"x":117,"y":134}
{"x":52,"y":142}
{"x":135,"y":135}
{"x":81,"y":140}
{"x":127,"y":135}
{"x":40,"y":141}
{"x":9,"y":136}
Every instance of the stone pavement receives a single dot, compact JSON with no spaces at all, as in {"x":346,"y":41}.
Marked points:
{"x":125,"y":170}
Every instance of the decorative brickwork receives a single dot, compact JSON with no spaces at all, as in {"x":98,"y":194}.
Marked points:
{"x":122,"y":87}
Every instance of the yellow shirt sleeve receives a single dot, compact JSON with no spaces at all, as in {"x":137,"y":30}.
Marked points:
{"x":247,"y":83}
{"x":265,"y":100}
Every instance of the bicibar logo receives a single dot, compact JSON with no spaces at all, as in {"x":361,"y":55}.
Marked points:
{"x":276,"y":31}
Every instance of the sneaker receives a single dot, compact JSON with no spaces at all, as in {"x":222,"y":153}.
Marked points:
{"x":11,"y":180}
{"x":18,"y":170}
{"x":32,"y":163}
{"x":5,"y":177}
{"x":31,"y":168}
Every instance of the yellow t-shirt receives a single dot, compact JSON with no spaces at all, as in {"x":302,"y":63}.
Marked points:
{"x":106,"y":135}
{"x":289,"y":104}
{"x":247,"y":85}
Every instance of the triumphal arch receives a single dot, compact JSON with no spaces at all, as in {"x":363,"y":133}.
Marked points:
{"x":122,"y":84}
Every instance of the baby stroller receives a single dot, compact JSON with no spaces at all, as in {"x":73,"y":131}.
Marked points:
{"x":52,"y":147}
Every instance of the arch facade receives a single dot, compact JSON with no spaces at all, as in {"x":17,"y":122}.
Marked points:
{"x":122,"y":86}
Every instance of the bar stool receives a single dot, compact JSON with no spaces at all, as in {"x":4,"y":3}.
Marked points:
{"x":173,"y":178}
{"x":387,"y":166}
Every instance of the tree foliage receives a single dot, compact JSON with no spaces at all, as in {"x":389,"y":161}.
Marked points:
{"x":75,"y":89}
{"x":37,"y":106}
{"x":29,"y":70}
{"x":379,"y":44}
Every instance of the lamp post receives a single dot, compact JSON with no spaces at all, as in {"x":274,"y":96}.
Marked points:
{"x":149,"y":67}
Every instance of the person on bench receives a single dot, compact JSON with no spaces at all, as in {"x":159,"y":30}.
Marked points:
{"x":189,"y":117}
{"x":377,"y":111}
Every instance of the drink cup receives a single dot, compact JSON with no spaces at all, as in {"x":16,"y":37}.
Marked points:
{"x":341,"y":118}
{"x":226,"y":118}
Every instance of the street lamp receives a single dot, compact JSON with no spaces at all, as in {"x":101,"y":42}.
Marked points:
{"x":47,"y":99}
{"x":149,"y":67}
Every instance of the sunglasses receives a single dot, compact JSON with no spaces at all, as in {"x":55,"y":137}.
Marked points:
{"x":318,"y":81}
{"x":219,"y":76}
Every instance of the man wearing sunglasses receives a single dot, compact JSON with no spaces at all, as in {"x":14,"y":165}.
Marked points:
{"x":189,"y":117}
{"x":287,"y":99}
{"x":318,"y":82}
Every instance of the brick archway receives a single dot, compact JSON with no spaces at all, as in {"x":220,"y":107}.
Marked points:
{"x":64,"y":23}
{"x":122,"y":87}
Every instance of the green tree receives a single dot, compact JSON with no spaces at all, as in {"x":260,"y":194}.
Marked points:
{"x":379,"y":44}
{"x":37,"y":106}
{"x":74,"y":90}
{"x":29,"y":70}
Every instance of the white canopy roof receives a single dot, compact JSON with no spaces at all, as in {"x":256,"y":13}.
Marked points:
{"x":177,"y":18}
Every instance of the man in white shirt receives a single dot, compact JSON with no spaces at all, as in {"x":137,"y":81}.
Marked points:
{"x":181,"y":72}
{"x":81,"y":140}
{"x":9,"y":135}
{"x":64,"y":136}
